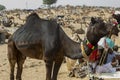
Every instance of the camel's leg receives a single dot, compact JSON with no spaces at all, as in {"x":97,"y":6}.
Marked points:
{"x":12,"y":58}
{"x":56,"y":69}
{"x":49,"y":64}
{"x":12,"y":66}
{"x":20,"y":62}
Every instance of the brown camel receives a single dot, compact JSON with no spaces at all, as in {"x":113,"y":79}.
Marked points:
{"x":45,"y":39}
{"x":6,"y":21}
{"x":4,"y":35}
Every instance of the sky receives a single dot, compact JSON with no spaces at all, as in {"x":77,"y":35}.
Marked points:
{"x":34,"y":4}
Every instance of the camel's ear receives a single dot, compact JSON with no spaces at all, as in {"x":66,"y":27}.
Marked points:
{"x":93,"y":20}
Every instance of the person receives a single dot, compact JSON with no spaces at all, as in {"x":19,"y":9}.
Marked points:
{"x":105,"y":43}
{"x":116,"y":16}
{"x":110,"y":65}
{"x":94,"y":59}
{"x":115,"y":49}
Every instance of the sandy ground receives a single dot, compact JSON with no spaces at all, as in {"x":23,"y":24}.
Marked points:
{"x":33,"y":69}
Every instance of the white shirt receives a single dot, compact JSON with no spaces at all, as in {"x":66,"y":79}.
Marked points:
{"x":101,"y":42}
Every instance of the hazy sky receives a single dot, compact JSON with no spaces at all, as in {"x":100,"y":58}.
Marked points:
{"x":33,"y":4}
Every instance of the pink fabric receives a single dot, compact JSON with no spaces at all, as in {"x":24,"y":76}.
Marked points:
{"x":115,"y":23}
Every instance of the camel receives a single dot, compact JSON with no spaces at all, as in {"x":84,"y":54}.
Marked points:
{"x":45,"y":40}
{"x":71,"y":63}
{"x":4,"y":35}
{"x":7,"y":22}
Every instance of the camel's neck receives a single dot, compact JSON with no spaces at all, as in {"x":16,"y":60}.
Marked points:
{"x":93,"y":39}
{"x":70,"y":47}
{"x":90,"y":43}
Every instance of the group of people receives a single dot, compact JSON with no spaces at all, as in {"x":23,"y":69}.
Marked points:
{"x":107,"y":61}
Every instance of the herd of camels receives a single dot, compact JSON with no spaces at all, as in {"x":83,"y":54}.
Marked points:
{"x":68,"y":17}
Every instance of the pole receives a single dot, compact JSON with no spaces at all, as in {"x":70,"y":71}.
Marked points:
{"x":26,"y":3}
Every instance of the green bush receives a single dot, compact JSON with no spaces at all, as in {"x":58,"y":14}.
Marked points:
{"x":49,"y":2}
{"x":2,"y":7}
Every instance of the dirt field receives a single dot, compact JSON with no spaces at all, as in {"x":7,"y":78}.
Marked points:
{"x":35,"y":69}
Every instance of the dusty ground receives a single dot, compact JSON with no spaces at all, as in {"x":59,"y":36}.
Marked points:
{"x":33,"y":69}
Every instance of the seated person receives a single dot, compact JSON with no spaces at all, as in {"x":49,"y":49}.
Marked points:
{"x":115,"y":49}
{"x":109,"y":65}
